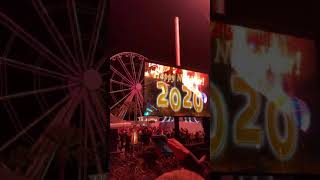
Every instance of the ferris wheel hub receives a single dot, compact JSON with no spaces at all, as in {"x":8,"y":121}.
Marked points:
{"x":138,"y":86}
{"x":92,"y":79}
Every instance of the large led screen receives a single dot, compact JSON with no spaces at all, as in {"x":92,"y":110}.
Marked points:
{"x":264,"y":102}
{"x":171,"y":91}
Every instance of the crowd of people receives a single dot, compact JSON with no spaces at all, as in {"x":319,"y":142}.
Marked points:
{"x":187,"y":137}
{"x":125,"y":136}
{"x":144,"y":134}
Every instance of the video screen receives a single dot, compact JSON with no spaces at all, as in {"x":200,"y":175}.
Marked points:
{"x":171,"y":91}
{"x":264,"y":102}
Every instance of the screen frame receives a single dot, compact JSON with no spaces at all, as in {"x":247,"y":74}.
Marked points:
{"x":257,"y":25}
{"x":184,"y":68}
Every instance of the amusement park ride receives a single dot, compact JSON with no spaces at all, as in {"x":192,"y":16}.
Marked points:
{"x":51,"y":88}
{"x":126,"y":85}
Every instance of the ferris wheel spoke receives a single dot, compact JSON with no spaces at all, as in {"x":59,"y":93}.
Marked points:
{"x":41,"y":170}
{"x":119,"y":74}
{"x":34,"y":166}
{"x":48,"y":164}
{"x":85,"y":139}
{"x":75,"y":31}
{"x":96,"y":31}
{"x":142,"y":80}
{"x":135,"y":113}
{"x":101,"y":110}
{"x":138,"y":107}
{"x":8,"y":106}
{"x":37,"y":164}
{"x":94,"y":117}
{"x":100,"y":62}
{"x":3,"y":78}
{"x":141,"y":114}
{"x":22,"y":132}
{"x":121,"y":100}
{"x":133,"y":69}
{"x":59,"y":120}
{"x":28,"y":93}
{"x":141,"y":97}
{"x":64,"y":116}
{"x":12,"y":115}
{"x":53,"y":30}
{"x":125,"y":107}
{"x":94,"y":144}
{"x":120,"y":83}
{"x":34,"y":69}
{"x":122,"y":90}
{"x":141,"y":100}
{"x":123,"y":110}
{"x":9,"y":45}
{"x":82,"y":158}
{"x":15,"y":118}
{"x":126,"y":70}
{"x":75,"y":104}
{"x":140,"y":70}
{"x":41,"y":99}
{"x":35,"y":44}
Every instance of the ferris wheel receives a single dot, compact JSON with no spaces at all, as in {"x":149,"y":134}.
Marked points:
{"x":126,"y":85}
{"x":51,"y":87}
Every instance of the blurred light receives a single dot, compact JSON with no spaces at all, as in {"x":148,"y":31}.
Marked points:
{"x":177,"y":36}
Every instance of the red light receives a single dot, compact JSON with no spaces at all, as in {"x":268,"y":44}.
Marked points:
{"x":176,"y":22}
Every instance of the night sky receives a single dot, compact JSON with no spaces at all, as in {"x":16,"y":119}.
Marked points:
{"x":147,"y":27}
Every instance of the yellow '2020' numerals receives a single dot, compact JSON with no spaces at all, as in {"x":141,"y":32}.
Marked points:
{"x":219,"y":123}
{"x":162,"y":100}
{"x":244,"y":131}
{"x":282,"y":147}
{"x":197,"y":102}
{"x":175,"y":99}
{"x":187,"y":98}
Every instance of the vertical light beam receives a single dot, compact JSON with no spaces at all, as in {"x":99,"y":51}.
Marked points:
{"x":177,"y":35}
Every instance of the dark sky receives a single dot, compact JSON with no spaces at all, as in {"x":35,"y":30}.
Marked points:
{"x":147,"y":27}
{"x":294,"y":17}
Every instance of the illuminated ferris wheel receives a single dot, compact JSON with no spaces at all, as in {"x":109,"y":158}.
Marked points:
{"x":126,"y":85}
{"x":51,"y":88}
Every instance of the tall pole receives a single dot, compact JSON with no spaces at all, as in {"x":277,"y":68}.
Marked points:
{"x":177,"y":36}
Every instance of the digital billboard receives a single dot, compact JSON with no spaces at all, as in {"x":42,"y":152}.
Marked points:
{"x":264,"y":100}
{"x":170,"y":91}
